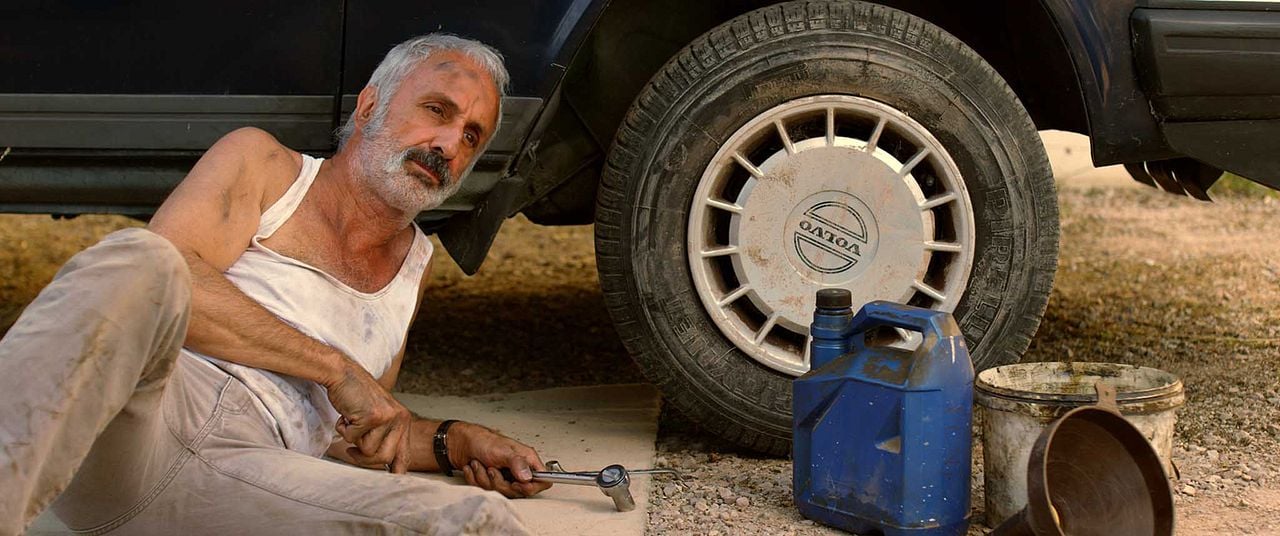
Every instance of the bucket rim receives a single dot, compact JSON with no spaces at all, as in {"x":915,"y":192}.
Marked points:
{"x":1172,"y":389}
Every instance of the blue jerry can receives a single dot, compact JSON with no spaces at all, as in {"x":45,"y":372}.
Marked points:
{"x":882,"y":437}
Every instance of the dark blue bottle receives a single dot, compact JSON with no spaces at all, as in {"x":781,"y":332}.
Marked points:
{"x":882,"y":437}
{"x":831,"y":323}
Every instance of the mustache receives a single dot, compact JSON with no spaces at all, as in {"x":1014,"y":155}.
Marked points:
{"x":432,"y":161}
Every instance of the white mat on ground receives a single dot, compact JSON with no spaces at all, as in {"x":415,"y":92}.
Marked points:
{"x":584,"y":428}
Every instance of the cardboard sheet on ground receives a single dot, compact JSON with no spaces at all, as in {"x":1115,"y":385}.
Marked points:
{"x":584,"y":428}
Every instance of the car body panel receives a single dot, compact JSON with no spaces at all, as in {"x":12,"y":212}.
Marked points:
{"x":1120,"y":121}
{"x":106,"y":105}
{"x":78,"y":104}
{"x":534,"y":36}
{"x":1213,"y":79}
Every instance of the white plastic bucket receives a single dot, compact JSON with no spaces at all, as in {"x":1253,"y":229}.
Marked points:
{"x":1020,"y":400}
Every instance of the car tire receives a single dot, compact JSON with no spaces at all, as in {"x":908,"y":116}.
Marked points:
{"x":865,"y":63}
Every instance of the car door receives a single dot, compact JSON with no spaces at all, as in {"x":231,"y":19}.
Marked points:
{"x":105,"y":104}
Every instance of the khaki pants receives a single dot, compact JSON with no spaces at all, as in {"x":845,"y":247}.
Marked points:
{"x":100,"y":408}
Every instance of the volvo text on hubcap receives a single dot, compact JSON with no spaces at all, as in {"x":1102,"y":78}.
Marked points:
{"x":825,"y":191}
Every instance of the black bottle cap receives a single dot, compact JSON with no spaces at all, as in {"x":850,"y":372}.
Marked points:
{"x":835,"y":298}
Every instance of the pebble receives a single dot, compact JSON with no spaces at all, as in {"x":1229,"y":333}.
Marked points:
{"x":670,"y":490}
{"x":1210,"y":450}
{"x":702,"y":505}
{"x":725,"y":494}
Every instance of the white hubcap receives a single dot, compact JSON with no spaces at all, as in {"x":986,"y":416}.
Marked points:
{"x":826,"y":191}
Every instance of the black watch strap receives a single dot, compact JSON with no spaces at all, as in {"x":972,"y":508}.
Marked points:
{"x":441,"y":448}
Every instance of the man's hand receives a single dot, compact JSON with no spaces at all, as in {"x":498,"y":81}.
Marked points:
{"x":372,"y":420}
{"x":483,"y":454}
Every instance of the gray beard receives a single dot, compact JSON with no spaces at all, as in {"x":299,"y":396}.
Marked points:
{"x":383,"y":166}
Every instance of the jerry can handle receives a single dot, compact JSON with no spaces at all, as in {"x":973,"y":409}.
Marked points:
{"x":886,"y":313}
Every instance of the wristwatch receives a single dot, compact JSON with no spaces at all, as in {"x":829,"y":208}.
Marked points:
{"x":441,"y":447}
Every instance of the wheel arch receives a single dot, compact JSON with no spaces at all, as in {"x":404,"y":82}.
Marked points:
{"x":633,"y":40}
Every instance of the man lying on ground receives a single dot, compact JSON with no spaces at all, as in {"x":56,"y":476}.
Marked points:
{"x":189,"y":377}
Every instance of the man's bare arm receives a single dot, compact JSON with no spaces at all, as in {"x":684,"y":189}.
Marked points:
{"x":211,"y":218}
{"x":478,"y":453}
{"x":467,"y":443}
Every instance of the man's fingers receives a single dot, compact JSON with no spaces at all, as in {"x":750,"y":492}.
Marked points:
{"x":520,"y":469}
{"x":529,"y":489}
{"x":386,"y":450}
{"x":490,"y":478}
{"x":364,"y":461}
{"x":383,"y":455}
{"x":400,"y":465}
{"x":481,"y":475}
{"x":343,"y":428}
{"x":374,"y":443}
{"x":351,"y":430}
{"x":378,"y":459}
{"x":501,"y":485}
{"x":515,"y":489}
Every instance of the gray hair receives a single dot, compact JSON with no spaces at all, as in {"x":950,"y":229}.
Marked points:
{"x":407,"y":55}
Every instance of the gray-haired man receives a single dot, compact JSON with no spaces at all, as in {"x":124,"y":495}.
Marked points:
{"x":190,"y":377}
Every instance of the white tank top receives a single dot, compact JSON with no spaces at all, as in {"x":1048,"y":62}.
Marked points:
{"x":368,"y":327}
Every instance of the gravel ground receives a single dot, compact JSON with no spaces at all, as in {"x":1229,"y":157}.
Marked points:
{"x":1145,"y":278}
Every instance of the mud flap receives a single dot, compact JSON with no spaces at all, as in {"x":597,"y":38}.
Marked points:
{"x":1178,"y":176}
{"x":467,"y":237}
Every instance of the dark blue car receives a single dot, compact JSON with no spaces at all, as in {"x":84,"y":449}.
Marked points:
{"x":734,"y":155}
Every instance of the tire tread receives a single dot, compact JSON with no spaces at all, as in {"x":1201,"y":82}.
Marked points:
{"x":616,"y":213}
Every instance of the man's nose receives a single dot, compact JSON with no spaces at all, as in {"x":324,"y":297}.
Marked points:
{"x":447,"y":142}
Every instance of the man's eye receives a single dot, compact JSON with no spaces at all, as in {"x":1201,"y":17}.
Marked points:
{"x":471,"y":139}
{"x":435,"y":109}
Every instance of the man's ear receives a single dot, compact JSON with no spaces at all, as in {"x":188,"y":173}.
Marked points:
{"x":365,"y":103}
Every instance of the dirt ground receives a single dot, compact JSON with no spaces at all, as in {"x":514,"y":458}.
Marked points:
{"x":1145,"y":278}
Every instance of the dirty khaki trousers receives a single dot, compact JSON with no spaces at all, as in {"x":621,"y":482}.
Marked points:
{"x":99,"y":407}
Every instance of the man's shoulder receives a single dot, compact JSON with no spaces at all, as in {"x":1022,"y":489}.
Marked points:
{"x":263,"y":159}
{"x":260,"y":148}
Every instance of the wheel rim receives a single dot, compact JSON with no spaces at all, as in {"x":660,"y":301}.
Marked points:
{"x":825,"y":191}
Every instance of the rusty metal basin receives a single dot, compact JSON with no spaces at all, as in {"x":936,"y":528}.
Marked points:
{"x":1019,"y":401}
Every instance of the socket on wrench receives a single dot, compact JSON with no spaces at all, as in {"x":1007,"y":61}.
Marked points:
{"x":614,"y":481}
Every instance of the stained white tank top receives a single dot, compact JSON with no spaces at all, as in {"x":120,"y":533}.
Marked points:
{"x":368,"y":327}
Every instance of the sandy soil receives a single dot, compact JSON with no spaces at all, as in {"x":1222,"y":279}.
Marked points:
{"x":1145,"y":278}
